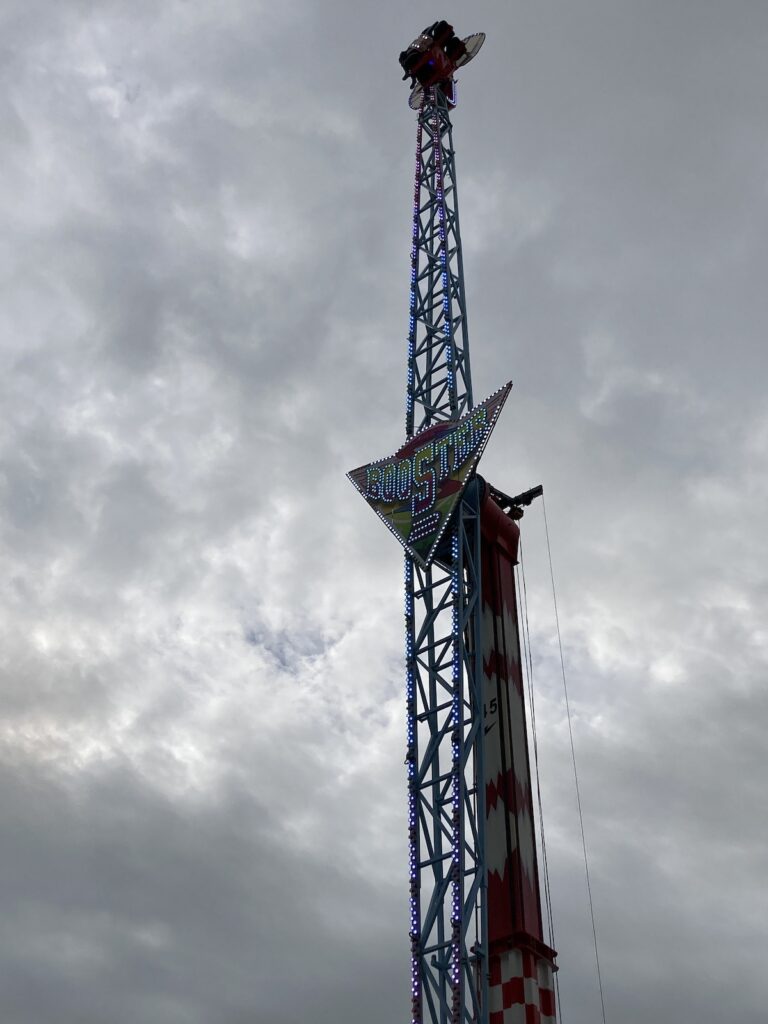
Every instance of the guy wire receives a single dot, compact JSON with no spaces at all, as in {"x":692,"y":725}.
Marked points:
{"x":573,"y":759}
{"x":528,"y":660}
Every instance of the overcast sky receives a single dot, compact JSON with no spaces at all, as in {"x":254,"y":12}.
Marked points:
{"x":204,"y":261}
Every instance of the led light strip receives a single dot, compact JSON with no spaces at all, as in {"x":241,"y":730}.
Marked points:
{"x":410,"y":625}
{"x":413,"y":796}
{"x":414,"y":274}
{"x":447,"y":322}
{"x":456,"y":790}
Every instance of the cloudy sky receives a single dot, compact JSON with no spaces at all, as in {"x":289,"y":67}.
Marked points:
{"x":204,"y":263}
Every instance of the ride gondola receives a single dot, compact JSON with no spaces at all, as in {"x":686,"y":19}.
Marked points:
{"x":433,"y":58}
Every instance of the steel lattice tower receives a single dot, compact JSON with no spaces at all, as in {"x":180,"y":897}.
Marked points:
{"x":449,"y":947}
{"x":474,"y":959}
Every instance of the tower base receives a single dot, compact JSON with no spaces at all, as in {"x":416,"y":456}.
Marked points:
{"x":522,"y":988}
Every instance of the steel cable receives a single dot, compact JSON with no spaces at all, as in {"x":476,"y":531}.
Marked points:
{"x":573,"y":759}
{"x":528,"y":661}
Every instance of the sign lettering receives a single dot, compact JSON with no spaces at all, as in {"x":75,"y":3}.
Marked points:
{"x":416,"y":490}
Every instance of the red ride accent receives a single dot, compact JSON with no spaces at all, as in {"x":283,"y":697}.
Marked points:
{"x":431,"y":59}
{"x":521,"y":964}
{"x":513,"y":884}
{"x":434,"y":67}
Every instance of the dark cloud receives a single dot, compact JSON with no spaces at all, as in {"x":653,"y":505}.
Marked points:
{"x":204,"y":268}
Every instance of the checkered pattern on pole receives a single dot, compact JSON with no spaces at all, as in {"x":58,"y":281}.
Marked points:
{"x":522,"y":989}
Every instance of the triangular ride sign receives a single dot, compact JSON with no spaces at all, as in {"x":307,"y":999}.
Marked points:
{"x":415,"y":491}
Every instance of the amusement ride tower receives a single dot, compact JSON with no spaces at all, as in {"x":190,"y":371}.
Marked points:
{"x":477,"y":945}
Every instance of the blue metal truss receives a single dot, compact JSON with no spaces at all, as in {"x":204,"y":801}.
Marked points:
{"x":448,"y":876}
{"x":439,"y":381}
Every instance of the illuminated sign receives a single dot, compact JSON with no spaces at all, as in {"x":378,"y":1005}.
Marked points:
{"x":415,"y":490}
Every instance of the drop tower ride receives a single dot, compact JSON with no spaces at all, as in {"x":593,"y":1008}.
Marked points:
{"x":476,"y":932}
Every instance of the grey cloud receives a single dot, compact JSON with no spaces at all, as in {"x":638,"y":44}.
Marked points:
{"x":204,"y":266}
